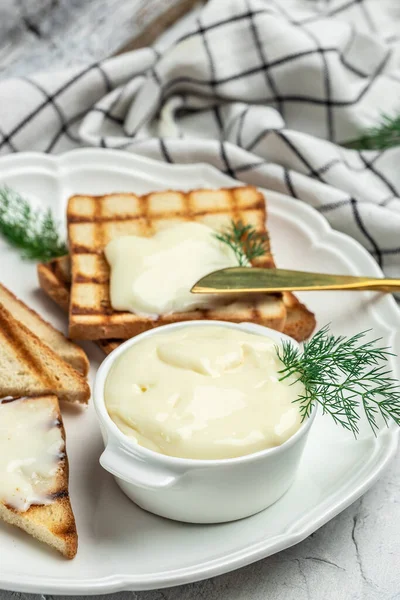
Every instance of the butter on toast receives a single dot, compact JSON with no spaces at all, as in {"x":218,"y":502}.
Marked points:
{"x":28,"y":367}
{"x":95,"y":221}
{"x":51,"y":523}
{"x":55,"y":281}
{"x":67,"y":350}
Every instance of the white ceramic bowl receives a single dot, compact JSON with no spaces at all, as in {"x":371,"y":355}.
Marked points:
{"x":197,"y":491}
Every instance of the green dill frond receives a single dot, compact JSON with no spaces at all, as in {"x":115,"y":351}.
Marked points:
{"x":343,"y":375}
{"x":385,"y":135}
{"x":32,"y":231}
{"x":245,"y":241}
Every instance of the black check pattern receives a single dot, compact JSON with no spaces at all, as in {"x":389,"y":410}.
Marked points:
{"x":265,"y":92}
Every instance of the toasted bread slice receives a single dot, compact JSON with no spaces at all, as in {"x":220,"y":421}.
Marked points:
{"x":29,"y":367}
{"x":70,"y":352}
{"x":95,"y":221}
{"x":53,"y":523}
{"x":300,"y":322}
{"x":55,"y":280}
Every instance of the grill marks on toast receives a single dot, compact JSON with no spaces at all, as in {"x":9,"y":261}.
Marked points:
{"x":95,"y":221}
{"x":54,"y":523}
{"x":184,"y":205}
{"x":299,"y":324}
{"x":55,"y":280}
{"x":70,"y":352}
{"x":27,"y":358}
{"x":29,"y":367}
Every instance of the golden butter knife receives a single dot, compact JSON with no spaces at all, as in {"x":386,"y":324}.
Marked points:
{"x":240,"y":280}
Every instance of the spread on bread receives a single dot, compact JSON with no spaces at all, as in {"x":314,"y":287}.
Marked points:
{"x":95,"y":221}
{"x":153,"y":276}
{"x":203,"y":392}
{"x":31,"y":446}
{"x":55,"y":281}
{"x":34,"y":472}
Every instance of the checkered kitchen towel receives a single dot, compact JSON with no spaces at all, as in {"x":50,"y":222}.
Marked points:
{"x":265,"y":90}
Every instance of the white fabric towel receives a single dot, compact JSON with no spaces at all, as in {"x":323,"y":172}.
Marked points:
{"x":265,"y":90}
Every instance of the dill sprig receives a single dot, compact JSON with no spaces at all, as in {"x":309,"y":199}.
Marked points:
{"x":384,"y":135}
{"x":33,"y":231}
{"x":343,"y":375}
{"x":245,"y":241}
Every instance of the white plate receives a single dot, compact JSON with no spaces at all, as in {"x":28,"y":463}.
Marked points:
{"x":121,"y":547}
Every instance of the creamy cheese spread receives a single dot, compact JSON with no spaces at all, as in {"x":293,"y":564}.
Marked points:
{"x":31,"y":445}
{"x":206,"y":392}
{"x":154,"y":276}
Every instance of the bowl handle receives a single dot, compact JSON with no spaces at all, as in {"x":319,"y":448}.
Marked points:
{"x":132,"y":470}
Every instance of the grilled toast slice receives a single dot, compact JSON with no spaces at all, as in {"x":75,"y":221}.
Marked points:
{"x":95,"y":221}
{"x":52,"y":523}
{"x":70,"y":352}
{"x":29,"y":367}
{"x":55,"y":280}
{"x":300,"y":322}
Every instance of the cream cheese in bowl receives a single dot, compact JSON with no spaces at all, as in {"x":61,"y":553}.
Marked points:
{"x":203,"y":393}
{"x":196,"y":424}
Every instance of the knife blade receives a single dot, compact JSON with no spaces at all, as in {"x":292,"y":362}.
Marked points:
{"x":247,"y":280}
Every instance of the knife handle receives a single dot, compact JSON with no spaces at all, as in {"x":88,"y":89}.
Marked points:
{"x":377,"y":285}
{"x":380,"y":285}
